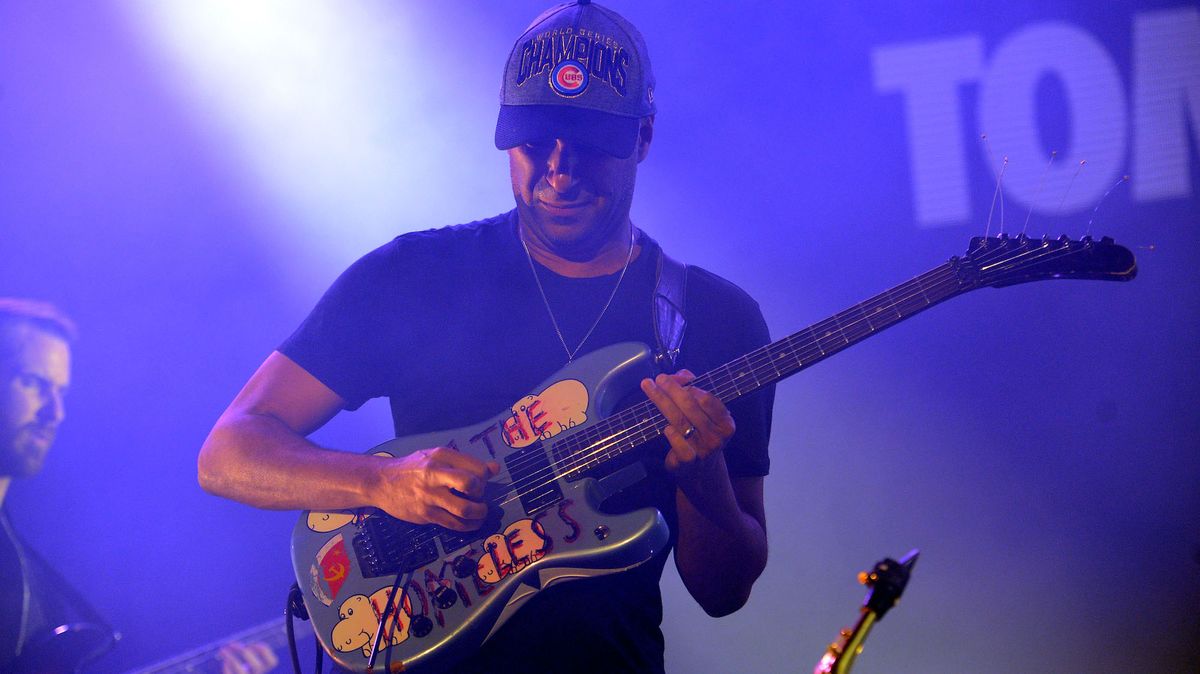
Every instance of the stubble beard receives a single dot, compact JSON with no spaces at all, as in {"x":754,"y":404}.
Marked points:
{"x":608,"y":228}
{"x":22,"y":454}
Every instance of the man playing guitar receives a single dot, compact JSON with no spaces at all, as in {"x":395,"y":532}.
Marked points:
{"x":458,"y":323}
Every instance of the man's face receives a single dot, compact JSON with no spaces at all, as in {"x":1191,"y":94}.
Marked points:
{"x":32,"y":386}
{"x":573,"y":198}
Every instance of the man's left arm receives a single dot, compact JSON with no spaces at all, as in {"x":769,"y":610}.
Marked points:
{"x":722,"y":533}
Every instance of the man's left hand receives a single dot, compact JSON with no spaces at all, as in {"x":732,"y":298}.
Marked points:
{"x":699,"y":427}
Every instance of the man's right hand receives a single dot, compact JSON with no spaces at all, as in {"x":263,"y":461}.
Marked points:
{"x":435,"y":486}
{"x":258,"y":453}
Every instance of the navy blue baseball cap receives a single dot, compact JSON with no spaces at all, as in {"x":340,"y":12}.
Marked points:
{"x":579,"y":72}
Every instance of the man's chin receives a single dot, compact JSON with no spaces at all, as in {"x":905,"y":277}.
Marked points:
{"x":26,"y":461}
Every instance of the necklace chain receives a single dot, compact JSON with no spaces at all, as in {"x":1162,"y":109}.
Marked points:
{"x":553,"y":321}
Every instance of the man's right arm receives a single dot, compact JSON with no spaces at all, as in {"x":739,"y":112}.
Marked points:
{"x":258,"y":454}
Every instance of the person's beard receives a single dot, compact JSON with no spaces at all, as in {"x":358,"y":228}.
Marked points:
{"x":24,"y":451}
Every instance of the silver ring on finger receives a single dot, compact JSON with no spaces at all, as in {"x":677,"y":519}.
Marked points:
{"x":687,"y":435}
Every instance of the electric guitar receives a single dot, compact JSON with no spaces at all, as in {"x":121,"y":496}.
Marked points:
{"x":885,"y":583}
{"x":384,"y":594}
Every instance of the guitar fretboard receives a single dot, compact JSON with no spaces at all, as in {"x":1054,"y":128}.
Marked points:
{"x":632,"y":427}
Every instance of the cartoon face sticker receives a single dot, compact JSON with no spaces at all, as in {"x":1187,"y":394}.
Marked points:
{"x":561,"y":406}
{"x":323,"y":522}
{"x":359,"y":619}
{"x":522,"y":543}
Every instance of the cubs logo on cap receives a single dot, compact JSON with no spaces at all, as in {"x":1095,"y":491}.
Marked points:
{"x":569,"y":78}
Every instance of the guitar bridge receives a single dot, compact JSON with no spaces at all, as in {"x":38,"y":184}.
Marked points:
{"x":386,"y":546}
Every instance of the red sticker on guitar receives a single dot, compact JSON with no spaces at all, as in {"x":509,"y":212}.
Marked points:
{"x":335,"y":564}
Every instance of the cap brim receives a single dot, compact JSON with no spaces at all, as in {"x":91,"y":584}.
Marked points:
{"x":613,"y":134}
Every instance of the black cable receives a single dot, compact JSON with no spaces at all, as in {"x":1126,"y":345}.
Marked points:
{"x":295,"y":606}
{"x":397,"y":585}
{"x":320,"y":653}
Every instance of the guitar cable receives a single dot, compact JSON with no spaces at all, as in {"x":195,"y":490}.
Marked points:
{"x":397,"y":586}
{"x":295,"y":609}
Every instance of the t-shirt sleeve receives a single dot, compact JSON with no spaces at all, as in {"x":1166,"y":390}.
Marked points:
{"x":725,"y":323}
{"x":341,"y":341}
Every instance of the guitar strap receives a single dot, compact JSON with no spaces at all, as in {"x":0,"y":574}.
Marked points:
{"x":670,"y":286}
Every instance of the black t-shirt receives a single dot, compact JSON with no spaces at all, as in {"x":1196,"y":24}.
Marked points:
{"x":450,"y":326}
{"x":45,"y":625}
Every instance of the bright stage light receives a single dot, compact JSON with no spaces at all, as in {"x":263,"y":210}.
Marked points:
{"x":353,"y":122}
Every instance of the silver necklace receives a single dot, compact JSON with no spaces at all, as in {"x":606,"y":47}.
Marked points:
{"x":553,"y":321}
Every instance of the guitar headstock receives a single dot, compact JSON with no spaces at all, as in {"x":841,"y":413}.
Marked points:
{"x":885,"y":583}
{"x":1004,"y":260}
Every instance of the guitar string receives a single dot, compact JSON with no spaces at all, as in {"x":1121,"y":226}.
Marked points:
{"x":868,"y":309}
{"x":770,"y":354}
{"x":658,"y":422}
{"x":574,"y":456}
{"x":761,"y":365}
{"x":638,"y":412}
{"x":655,"y":422}
{"x":549,"y":475}
{"x":598,"y":430}
{"x":573,"y":461}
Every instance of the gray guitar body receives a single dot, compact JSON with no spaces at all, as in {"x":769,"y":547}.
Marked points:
{"x":450,"y":591}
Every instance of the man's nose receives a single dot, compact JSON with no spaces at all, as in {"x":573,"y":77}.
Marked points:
{"x":53,"y":409}
{"x":562,"y":166}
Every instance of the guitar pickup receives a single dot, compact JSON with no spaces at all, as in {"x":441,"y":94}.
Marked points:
{"x":456,"y":540}
{"x":533,"y":478}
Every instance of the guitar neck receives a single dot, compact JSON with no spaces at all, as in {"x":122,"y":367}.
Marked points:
{"x":800,"y":350}
{"x":204,"y":659}
{"x":840,"y":655}
{"x":634,"y":426}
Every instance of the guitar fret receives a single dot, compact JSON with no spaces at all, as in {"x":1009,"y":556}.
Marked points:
{"x":837,"y":320}
{"x":773,"y":361}
{"x":854,"y":323}
{"x":793,"y":350}
{"x":783,"y":355}
{"x":745,"y":372}
{"x":921,"y":286}
{"x":814,"y":339}
{"x":893,"y":305}
{"x":829,"y":342}
{"x":902,"y":306}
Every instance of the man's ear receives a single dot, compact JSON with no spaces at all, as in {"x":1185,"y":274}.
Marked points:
{"x":645,"y":135}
